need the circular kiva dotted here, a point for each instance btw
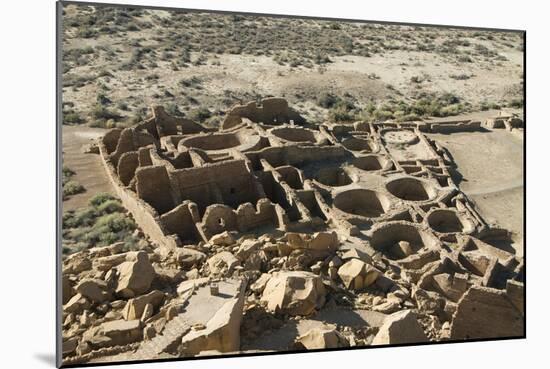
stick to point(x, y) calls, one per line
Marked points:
point(400, 137)
point(371, 163)
point(357, 144)
point(411, 189)
point(333, 177)
point(362, 202)
point(401, 239)
point(295, 134)
point(214, 142)
point(446, 221)
point(219, 142)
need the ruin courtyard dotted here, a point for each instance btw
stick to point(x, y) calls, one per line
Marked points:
point(274, 233)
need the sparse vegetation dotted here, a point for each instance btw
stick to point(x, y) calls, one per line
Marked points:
point(103, 222)
point(181, 63)
point(70, 187)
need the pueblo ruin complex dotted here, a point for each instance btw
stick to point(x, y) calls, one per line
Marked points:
point(273, 234)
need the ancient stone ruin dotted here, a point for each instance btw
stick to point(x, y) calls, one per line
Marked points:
point(344, 234)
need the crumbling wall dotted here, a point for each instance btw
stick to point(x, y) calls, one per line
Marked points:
point(181, 221)
point(153, 186)
point(228, 182)
point(272, 111)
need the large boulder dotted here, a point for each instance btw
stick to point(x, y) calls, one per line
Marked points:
point(321, 338)
point(135, 277)
point(135, 307)
point(294, 292)
point(247, 248)
point(96, 290)
point(356, 274)
point(77, 263)
point(187, 257)
point(399, 328)
point(119, 332)
point(222, 239)
point(76, 304)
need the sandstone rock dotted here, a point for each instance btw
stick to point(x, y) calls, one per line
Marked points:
point(222, 239)
point(187, 257)
point(218, 327)
point(321, 338)
point(246, 248)
point(70, 345)
point(135, 277)
point(83, 348)
point(399, 328)
point(77, 263)
point(387, 307)
point(357, 274)
point(121, 332)
point(356, 254)
point(135, 307)
point(259, 285)
point(67, 289)
point(222, 263)
point(149, 332)
point(401, 249)
point(294, 293)
point(324, 241)
point(254, 261)
point(85, 319)
point(95, 290)
point(147, 312)
point(486, 313)
point(76, 304)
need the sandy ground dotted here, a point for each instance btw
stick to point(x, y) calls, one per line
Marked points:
point(491, 164)
point(88, 169)
point(226, 77)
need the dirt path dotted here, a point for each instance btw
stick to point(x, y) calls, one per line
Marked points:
point(88, 169)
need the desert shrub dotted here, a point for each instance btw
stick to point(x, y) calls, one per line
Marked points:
point(100, 198)
point(200, 114)
point(85, 32)
point(173, 109)
point(102, 99)
point(102, 115)
point(464, 59)
point(72, 188)
point(110, 206)
point(103, 222)
point(515, 103)
point(193, 82)
point(327, 100)
point(460, 77)
point(69, 186)
point(340, 114)
point(71, 117)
